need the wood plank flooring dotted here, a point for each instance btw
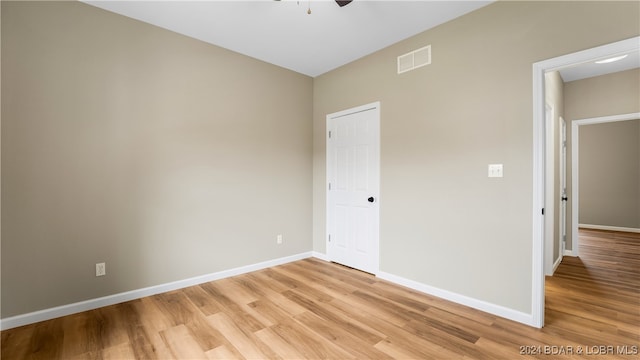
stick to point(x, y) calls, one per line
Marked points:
point(312, 309)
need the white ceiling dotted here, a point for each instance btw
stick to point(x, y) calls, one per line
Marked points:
point(282, 33)
point(591, 69)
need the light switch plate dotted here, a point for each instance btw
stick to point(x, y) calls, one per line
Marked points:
point(495, 170)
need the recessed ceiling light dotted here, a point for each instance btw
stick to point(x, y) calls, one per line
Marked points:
point(610, 60)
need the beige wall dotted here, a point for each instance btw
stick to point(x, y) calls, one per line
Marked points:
point(443, 222)
point(125, 143)
point(605, 95)
point(160, 155)
point(609, 174)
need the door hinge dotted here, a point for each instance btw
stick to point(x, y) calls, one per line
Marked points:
point(329, 237)
point(329, 134)
point(542, 211)
point(329, 186)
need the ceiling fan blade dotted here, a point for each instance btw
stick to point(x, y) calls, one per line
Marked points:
point(343, 3)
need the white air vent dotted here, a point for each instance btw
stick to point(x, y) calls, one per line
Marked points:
point(414, 59)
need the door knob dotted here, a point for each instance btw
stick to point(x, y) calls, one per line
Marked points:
point(371, 199)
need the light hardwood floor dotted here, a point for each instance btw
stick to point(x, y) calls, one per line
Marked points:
point(313, 309)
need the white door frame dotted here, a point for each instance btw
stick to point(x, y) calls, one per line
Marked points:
point(575, 174)
point(376, 192)
point(550, 194)
point(539, 69)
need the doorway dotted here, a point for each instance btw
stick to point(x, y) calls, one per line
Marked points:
point(538, 230)
point(353, 187)
point(575, 178)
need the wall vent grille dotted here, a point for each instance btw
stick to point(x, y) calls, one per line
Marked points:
point(415, 59)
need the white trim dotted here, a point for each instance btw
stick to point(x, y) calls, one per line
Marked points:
point(64, 310)
point(610, 228)
point(549, 196)
point(52, 313)
point(320, 256)
point(575, 173)
point(357, 109)
point(569, 253)
point(539, 69)
point(607, 119)
point(556, 264)
point(460, 299)
point(575, 191)
point(537, 252)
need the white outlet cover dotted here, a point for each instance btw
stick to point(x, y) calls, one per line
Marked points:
point(101, 269)
point(495, 170)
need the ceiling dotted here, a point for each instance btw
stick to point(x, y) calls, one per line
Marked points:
point(591, 69)
point(282, 33)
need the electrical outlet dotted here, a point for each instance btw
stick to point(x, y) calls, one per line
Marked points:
point(279, 239)
point(101, 269)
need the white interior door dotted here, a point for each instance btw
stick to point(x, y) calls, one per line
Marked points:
point(353, 186)
point(563, 185)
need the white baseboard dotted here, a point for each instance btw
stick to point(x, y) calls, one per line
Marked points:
point(320, 256)
point(556, 264)
point(610, 228)
point(487, 307)
point(52, 313)
point(569, 253)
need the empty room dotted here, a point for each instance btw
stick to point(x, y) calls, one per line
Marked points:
point(320, 179)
